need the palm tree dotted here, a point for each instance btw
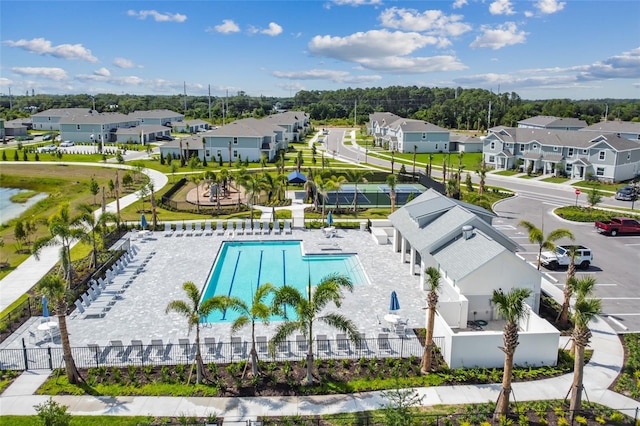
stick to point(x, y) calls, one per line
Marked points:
point(585, 309)
point(512, 308)
point(254, 185)
point(563, 316)
point(355, 177)
point(197, 179)
point(392, 182)
point(250, 314)
point(299, 161)
point(308, 308)
point(240, 176)
point(336, 182)
point(269, 185)
point(194, 312)
point(63, 230)
point(94, 223)
point(536, 236)
point(392, 162)
point(55, 290)
point(432, 303)
point(482, 172)
point(323, 186)
point(430, 164)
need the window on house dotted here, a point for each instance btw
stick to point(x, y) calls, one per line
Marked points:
point(235, 141)
point(600, 171)
point(602, 155)
point(521, 147)
point(492, 159)
point(569, 167)
point(235, 153)
point(445, 146)
point(492, 146)
point(570, 152)
point(555, 148)
point(208, 154)
point(77, 127)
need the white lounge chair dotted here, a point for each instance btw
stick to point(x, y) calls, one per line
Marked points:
point(219, 228)
point(189, 229)
point(168, 230)
point(95, 354)
point(137, 349)
point(185, 345)
point(383, 342)
point(276, 227)
point(257, 229)
point(180, 230)
point(197, 229)
point(261, 344)
point(266, 230)
point(248, 230)
point(287, 227)
point(323, 343)
point(343, 343)
point(237, 346)
point(301, 344)
point(117, 350)
point(207, 228)
point(157, 349)
point(211, 346)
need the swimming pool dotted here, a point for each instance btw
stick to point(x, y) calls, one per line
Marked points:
point(242, 265)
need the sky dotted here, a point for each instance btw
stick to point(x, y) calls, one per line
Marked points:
point(541, 49)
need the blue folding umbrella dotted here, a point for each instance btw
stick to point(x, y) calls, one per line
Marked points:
point(45, 307)
point(394, 305)
point(143, 221)
point(330, 219)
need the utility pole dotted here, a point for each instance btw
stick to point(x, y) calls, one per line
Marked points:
point(355, 115)
point(10, 99)
point(185, 97)
point(489, 116)
point(209, 102)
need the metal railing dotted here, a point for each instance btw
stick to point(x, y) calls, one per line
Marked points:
point(155, 353)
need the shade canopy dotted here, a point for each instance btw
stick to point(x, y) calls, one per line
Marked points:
point(296, 177)
point(143, 221)
point(394, 305)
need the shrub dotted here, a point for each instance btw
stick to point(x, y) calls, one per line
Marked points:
point(53, 414)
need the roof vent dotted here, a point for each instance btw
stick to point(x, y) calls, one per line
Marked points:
point(467, 231)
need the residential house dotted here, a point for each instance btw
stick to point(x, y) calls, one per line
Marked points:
point(190, 126)
point(459, 142)
point(407, 135)
point(15, 128)
point(379, 123)
point(248, 138)
point(96, 127)
point(626, 129)
point(474, 260)
point(50, 119)
point(162, 117)
point(576, 154)
point(2, 133)
point(552, 123)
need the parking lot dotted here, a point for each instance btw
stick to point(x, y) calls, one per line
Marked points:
point(616, 260)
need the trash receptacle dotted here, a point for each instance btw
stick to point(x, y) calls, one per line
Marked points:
point(363, 226)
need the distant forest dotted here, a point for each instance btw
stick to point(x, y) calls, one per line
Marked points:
point(465, 109)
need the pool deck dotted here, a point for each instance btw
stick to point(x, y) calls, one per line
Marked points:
point(140, 312)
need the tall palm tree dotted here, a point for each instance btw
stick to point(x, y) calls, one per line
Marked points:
point(430, 164)
point(355, 177)
point(196, 179)
point(55, 290)
point(563, 316)
point(585, 309)
point(536, 236)
point(512, 307)
point(94, 223)
point(64, 230)
point(299, 161)
point(270, 184)
point(240, 176)
point(254, 185)
point(432, 303)
point(308, 310)
point(482, 172)
point(194, 312)
point(337, 182)
point(323, 186)
point(258, 310)
point(392, 183)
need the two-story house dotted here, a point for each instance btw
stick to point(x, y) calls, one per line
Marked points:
point(161, 117)
point(552, 123)
point(407, 135)
point(627, 129)
point(576, 154)
point(50, 119)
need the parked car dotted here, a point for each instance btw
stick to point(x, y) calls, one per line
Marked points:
point(618, 225)
point(67, 143)
point(48, 148)
point(627, 193)
point(48, 137)
point(561, 257)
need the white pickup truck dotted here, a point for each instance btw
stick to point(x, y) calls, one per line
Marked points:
point(560, 257)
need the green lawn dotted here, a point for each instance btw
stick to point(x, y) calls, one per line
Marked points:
point(555, 179)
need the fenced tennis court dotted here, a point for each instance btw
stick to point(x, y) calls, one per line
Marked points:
point(372, 195)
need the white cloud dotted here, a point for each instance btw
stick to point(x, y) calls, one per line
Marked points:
point(123, 63)
point(157, 16)
point(410, 65)
point(501, 7)
point(331, 75)
point(42, 46)
point(273, 30)
point(50, 73)
point(503, 35)
point(102, 72)
point(626, 65)
point(370, 44)
point(457, 4)
point(430, 21)
point(5, 82)
point(548, 7)
point(227, 27)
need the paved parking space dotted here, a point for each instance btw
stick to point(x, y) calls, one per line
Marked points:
point(615, 265)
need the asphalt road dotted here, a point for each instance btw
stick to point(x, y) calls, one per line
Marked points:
point(616, 263)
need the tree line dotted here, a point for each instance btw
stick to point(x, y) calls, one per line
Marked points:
point(454, 108)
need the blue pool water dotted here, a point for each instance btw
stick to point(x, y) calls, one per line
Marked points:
point(241, 266)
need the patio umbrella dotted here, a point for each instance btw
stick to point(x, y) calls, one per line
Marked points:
point(330, 219)
point(394, 305)
point(45, 307)
point(143, 221)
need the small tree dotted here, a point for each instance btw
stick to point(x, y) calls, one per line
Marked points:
point(594, 196)
point(392, 183)
point(400, 402)
point(468, 183)
point(51, 413)
point(94, 188)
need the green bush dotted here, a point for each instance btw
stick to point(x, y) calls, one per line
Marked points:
point(53, 414)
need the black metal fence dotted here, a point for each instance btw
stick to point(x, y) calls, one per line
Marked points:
point(116, 353)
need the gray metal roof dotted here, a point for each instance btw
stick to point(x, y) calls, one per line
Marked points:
point(287, 117)
point(98, 118)
point(553, 157)
point(383, 118)
point(156, 113)
point(62, 112)
point(614, 127)
point(247, 127)
point(462, 256)
point(409, 125)
point(550, 121)
point(574, 139)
